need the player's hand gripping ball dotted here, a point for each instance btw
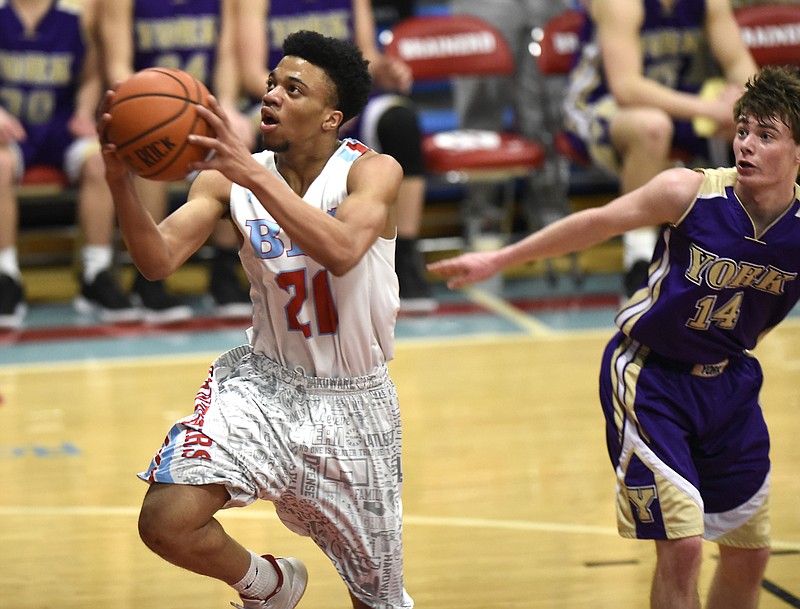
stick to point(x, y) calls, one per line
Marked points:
point(152, 114)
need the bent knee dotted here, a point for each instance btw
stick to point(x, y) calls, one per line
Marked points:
point(93, 168)
point(154, 527)
point(8, 166)
point(173, 513)
point(681, 557)
point(648, 127)
point(743, 565)
point(160, 520)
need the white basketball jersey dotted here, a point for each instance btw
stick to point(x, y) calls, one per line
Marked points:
point(303, 316)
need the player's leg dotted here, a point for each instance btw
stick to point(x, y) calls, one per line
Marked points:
point(415, 292)
point(95, 205)
point(736, 488)
point(158, 304)
point(738, 493)
point(230, 298)
point(676, 574)
point(393, 123)
point(347, 496)
point(358, 604)
point(737, 580)
point(177, 523)
point(100, 291)
point(12, 296)
point(8, 201)
point(643, 140)
point(657, 482)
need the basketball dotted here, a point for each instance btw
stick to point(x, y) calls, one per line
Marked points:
point(152, 114)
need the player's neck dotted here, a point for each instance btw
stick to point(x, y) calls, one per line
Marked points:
point(300, 167)
point(765, 205)
point(668, 5)
point(31, 12)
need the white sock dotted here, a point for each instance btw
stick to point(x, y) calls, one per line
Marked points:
point(259, 581)
point(96, 258)
point(9, 265)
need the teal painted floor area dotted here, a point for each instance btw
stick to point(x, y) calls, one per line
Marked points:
point(54, 332)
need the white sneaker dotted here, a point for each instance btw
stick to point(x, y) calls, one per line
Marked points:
point(292, 581)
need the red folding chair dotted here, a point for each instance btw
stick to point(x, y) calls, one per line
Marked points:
point(557, 43)
point(772, 33)
point(43, 179)
point(439, 48)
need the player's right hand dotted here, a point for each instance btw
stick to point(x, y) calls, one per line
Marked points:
point(466, 269)
point(11, 130)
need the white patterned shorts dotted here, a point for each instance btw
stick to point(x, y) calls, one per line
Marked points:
point(326, 452)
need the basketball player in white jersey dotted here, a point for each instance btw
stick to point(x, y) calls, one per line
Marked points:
point(305, 414)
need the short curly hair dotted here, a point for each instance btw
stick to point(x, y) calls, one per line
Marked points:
point(341, 61)
point(775, 92)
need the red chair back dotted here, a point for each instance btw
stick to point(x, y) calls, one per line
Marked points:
point(442, 46)
point(772, 32)
point(559, 42)
point(44, 175)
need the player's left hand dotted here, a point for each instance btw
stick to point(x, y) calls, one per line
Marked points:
point(390, 74)
point(466, 269)
point(116, 170)
point(724, 105)
point(81, 126)
point(11, 129)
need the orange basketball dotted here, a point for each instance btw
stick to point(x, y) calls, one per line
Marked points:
point(152, 114)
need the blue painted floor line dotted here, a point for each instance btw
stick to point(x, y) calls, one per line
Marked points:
point(54, 332)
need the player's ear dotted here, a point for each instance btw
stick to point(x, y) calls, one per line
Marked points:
point(333, 120)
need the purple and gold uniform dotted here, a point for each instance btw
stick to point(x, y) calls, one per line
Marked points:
point(332, 18)
point(674, 54)
point(39, 78)
point(177, 34)
point(679, 387)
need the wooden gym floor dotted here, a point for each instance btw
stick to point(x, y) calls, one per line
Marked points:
point(508, 491)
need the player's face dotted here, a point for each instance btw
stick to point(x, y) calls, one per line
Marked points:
point(764, 151)
point(296, 104)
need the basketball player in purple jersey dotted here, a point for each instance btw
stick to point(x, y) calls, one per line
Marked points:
point(47, 99)
point(636, 88)
point(678, 384)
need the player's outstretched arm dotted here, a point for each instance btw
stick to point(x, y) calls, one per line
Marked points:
point(662, 200)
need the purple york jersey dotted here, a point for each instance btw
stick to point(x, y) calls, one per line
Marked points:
point(675, 54)
point(672, 40)
point(177, 34)
point(332, 18)
point(679, 388)
point(39, 74)
point(715, 285)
